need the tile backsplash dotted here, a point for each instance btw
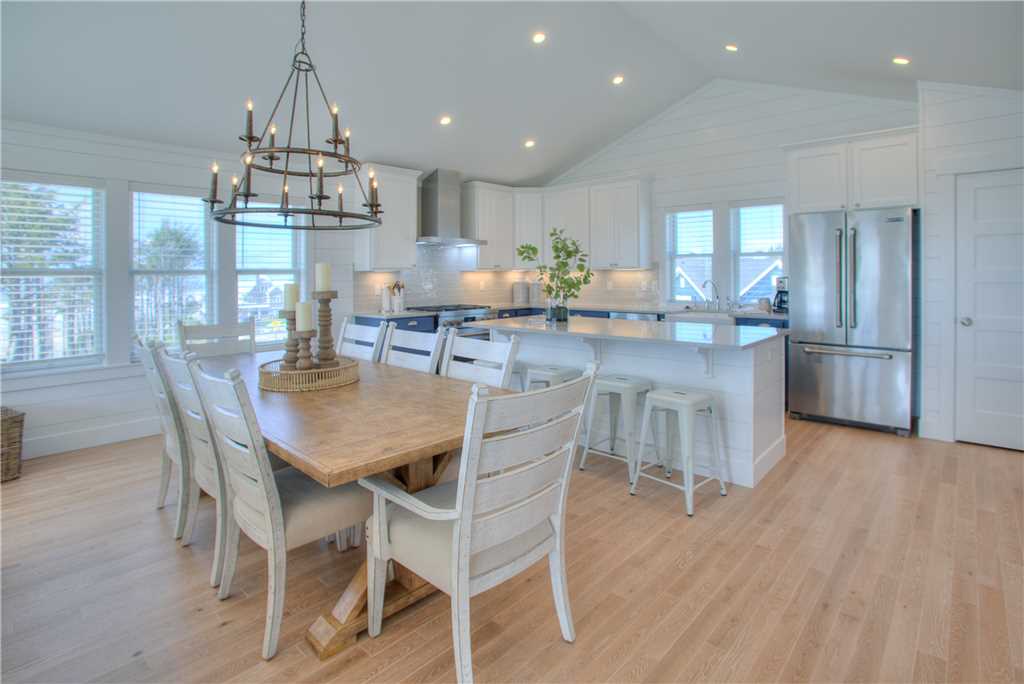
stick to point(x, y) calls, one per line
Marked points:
point(441, 276)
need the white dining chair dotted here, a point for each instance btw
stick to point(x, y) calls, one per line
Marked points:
point(174, 454)
point(278, 510)
point(358, 341)
point(401, 347)
point(203, 455)
point(214, 340)
point(504, 513)
point(475, 360)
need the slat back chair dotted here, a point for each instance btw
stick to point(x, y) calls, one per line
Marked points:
point(214, 340)
point(489, 363)
point(277, 510)
point(400, 344)
point(505, 512)
point(358, 341)
point(174, 452)
point(207, 473)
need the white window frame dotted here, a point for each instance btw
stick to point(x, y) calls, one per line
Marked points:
point(734, 239)
point(668, 273)
point(100, 258)
point(300, 250)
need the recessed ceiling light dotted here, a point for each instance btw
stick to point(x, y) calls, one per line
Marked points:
point(528, 143)
point(731, 47)
point(902, 61)
point(539, 37)
point(445, 120)
point(618, 79)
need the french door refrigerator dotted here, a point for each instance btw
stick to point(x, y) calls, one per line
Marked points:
point(851, 316)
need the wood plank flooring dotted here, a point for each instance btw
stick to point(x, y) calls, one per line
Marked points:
point(861, 557)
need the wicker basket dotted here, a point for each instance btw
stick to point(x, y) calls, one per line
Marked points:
point(276, 380)
point(12, 425)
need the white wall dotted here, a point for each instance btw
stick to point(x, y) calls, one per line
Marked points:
point(722, 146)
point(963, 130)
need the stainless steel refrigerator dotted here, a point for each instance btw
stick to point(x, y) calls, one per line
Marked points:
point(851, 316)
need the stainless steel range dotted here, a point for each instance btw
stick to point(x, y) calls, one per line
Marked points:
point(460, 317)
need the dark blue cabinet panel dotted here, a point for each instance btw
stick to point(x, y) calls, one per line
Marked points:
point(589, 314)
point(773, 322)
point(427, 324)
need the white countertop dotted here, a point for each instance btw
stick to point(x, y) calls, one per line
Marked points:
point(700, 335)
point(389, 316)
point(649, 309)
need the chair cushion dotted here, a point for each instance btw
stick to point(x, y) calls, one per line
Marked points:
point(312, 511)
point(425, 546)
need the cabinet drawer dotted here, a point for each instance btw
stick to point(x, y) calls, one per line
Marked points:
point(589, 314)
point(772, 322)
point(425, 324)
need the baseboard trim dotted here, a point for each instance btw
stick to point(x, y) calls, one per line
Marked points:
point(56, 443)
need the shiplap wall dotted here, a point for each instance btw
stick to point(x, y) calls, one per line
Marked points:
point(963, 130)
point(723, 143)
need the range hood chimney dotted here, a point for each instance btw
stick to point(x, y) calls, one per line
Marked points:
point(441, 211)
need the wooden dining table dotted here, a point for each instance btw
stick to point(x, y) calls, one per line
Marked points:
point(397, 422)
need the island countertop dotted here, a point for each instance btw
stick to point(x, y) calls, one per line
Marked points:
point(700, 335)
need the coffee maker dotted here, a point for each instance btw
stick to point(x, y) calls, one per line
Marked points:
point(781, 301)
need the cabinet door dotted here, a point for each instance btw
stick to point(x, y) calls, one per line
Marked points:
point(615, 226)
point(883, 171)
point(392, 245)
point(493, 220)
point(570, 211)
point(603, 236)
point(529, 215)
point(816, 178)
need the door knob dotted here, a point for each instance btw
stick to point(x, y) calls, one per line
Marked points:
point(966, 321)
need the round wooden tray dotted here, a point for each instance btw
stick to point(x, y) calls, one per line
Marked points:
point(274, 379)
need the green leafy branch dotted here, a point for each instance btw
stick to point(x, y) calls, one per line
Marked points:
point(565, 278)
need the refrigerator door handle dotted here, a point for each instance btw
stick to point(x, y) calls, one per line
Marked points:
point(839, 278)
point(846, 352)
point(851, 277)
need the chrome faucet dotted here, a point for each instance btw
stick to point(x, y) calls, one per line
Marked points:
point(714, 288)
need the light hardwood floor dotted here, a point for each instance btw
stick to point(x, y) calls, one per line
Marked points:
point(861, 557)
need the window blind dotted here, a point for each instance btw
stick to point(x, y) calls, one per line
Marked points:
point(170, 261)
point(266, 259)
point(694, 238)
point(51, 287)
point(760, 233)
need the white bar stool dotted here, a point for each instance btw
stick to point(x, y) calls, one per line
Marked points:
point(548, 376)
point(686, 404)
point(622, 391)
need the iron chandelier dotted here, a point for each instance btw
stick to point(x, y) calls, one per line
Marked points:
point(295, 161)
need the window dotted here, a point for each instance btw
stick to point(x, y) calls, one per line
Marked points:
point(265, 260)
point(170, 264)
point(51, 287)
point(758, 251)
point(693, 240)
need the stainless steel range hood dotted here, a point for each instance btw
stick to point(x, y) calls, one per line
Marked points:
point(441, 211)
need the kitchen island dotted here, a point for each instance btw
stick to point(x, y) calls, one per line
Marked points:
point(741, 366)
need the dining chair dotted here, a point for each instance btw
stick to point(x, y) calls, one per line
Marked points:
point(174, 454)
point(214, 340)
point(278, 510)
point(204, 457)
point(358, 341)
point(401, 347)
point(504, 513)
point(468, 358)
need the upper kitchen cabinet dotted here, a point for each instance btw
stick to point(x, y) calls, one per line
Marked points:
point(489, 214)
point(529, 211)
point(869, 171)
point(392, 245)
point(568, 209)
point(620, 225)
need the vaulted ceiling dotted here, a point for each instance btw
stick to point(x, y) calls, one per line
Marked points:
point(179, 72)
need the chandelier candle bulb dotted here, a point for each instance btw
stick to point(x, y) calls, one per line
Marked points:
point(284, 200)
point(304, 316)
point(320, 176)
point(214, 172)
point(334, 121)
point(348, 150)
point(323, 276)
point(248, 119)
point(341, 199)
point(291, 296)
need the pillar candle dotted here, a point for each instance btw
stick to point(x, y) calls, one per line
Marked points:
point(214, 170)
point(291, 296)
point(248, 119)
point(323, 276)
point(304, 316)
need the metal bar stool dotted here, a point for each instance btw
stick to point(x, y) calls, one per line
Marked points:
point(547, 375)
point(686, 404)
point(622, 391)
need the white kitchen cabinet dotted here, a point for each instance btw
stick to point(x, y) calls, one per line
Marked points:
point(568, 209)
point(529, 211)
point(392, 245)
point(619, 225)
point(866, 171)
point(489, 214)
point(883, 171)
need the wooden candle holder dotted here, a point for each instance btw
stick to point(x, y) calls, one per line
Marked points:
point(325, 357)
point(305, 359)
point(291, 344)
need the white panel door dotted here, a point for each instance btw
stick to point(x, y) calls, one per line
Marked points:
point(883, 172)
point(529, 211)
point(603, 241)
point(816, 178)
point(569, 210)
point(990, 299)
